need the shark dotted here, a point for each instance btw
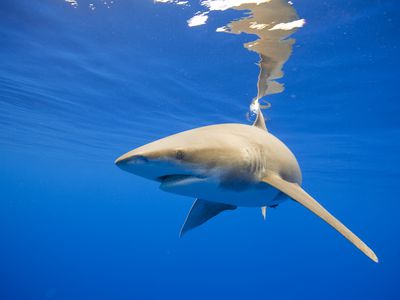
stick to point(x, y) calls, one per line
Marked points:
point(226, 166)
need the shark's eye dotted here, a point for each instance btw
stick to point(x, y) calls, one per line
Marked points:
point(180, 154)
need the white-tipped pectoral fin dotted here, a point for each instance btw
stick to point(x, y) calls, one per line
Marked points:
point(295, 192)
point(201, 212)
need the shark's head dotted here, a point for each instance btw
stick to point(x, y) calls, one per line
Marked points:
point(195, 154)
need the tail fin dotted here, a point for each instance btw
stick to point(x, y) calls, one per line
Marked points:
point(295, 192)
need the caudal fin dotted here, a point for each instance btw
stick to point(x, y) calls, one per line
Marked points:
point(295, 192)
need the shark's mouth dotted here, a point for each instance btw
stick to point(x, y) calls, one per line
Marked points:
point(172, 180)
point(173, 177)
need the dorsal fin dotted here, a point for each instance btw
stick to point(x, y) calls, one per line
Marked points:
point(260, 121)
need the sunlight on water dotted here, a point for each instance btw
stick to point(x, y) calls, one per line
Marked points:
point(93, 81)
point(93, 5)
point(272, 21)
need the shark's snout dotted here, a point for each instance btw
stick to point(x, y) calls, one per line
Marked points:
point(156, 163)
point(130, 159)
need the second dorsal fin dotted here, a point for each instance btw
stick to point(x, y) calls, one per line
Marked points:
point(260, 121)
point(264, 212)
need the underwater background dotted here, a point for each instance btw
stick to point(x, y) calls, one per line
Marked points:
point(80, 86)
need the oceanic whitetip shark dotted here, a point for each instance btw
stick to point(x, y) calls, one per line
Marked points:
point(227, 166)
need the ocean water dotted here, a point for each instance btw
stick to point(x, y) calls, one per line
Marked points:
point(82, 84)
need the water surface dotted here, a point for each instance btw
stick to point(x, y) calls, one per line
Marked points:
point(80, 86)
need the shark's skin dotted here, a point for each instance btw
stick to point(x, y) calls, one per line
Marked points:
point(228, 166)
point(221, 163)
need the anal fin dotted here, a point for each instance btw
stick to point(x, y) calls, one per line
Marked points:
point(201, 212)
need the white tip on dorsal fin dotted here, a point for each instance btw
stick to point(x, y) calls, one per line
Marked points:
point(295, 192)
point(264, 212)
point(201, 212)
point(260, 121)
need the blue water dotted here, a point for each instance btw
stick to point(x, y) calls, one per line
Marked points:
point(79, 87)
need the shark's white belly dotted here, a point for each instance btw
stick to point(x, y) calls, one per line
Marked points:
point(251, 195)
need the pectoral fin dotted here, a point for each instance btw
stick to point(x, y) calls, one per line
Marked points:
point(295, 192)
point(201, 212)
